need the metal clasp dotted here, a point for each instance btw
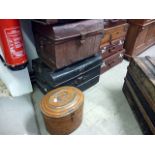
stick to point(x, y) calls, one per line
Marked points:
point(83, 38)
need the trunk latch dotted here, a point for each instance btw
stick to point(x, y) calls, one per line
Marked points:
point(83, 38)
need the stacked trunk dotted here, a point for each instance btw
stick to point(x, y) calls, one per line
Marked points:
point(111, 47)
point(139, 88)
point(67, 49)
point(82, 75)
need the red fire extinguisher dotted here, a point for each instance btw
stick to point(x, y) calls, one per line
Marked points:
point(11, 42)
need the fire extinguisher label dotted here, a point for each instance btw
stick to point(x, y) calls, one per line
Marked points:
point(15, 42)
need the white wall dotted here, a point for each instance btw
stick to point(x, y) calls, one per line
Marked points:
point(28, 40)
point(18, 82)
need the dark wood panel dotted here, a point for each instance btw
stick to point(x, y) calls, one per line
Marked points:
point(141, 85)
point(139, 37)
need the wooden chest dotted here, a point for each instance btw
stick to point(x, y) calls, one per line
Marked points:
point(111, 47)
point(62, 110)
point(112, 61)
point(61, 45)
point(140, 81)
point(140, 36)
point(82, 75)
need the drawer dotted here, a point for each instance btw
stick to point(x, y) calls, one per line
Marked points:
point(112, 61)
point(114, 33)
point(110, 49)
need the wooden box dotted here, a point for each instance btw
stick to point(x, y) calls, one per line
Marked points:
point(61, 45)
point(82, 75)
